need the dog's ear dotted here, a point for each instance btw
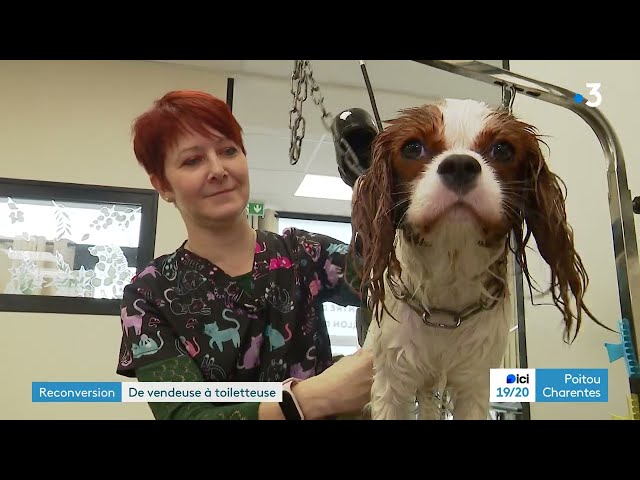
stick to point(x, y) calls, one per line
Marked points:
point(546, 219)
point(373, 224)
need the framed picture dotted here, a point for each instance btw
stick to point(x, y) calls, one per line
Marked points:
point(70, 248)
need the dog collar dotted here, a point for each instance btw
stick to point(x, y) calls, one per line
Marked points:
point(427, 315)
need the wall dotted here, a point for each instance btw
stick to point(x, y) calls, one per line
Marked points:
point(576, 155)
point(69, 121)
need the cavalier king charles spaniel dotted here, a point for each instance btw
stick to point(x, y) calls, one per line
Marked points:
point(432, 219)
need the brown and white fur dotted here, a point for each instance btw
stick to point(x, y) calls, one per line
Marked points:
point(449, 183)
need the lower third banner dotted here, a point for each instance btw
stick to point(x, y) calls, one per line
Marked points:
point(156, 392)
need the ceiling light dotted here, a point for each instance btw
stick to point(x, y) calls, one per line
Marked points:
point(324, 186)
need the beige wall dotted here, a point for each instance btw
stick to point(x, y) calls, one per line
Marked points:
point(576, 155)
point(69, 121)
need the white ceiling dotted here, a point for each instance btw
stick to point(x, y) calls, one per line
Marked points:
point(262, 101)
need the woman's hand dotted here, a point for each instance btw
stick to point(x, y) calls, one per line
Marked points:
point(343, 388)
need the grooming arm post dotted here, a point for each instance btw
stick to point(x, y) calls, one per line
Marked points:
point(620, 204)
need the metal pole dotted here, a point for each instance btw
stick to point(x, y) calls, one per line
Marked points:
point(363, 67)
point(230, 85)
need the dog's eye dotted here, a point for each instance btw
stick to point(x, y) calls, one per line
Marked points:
point(502, 151)
point(413, 149)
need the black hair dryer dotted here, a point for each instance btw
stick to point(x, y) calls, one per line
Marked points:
point(353, 133)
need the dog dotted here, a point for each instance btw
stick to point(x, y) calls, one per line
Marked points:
point(449, 184)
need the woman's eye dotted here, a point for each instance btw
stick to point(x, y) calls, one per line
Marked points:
point(502, 152)
point(230, 151)
point(413, 150)
point(191, 161)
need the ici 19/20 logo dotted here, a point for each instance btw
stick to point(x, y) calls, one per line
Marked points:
point(511, 378)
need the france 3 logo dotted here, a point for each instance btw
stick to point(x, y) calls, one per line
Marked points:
point(594, 94)
point(512, 385)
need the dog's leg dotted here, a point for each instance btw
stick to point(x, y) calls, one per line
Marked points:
point(392, 397)
point(395, 381)
point(472, 403)
point(427, 405)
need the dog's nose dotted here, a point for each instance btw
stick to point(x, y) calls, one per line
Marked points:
point(458, 172)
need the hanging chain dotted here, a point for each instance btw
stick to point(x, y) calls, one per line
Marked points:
point(301, 80)
point(299, 96)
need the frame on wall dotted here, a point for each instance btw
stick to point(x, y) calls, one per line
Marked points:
point(127, 212)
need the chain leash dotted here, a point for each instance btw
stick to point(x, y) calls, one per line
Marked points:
point(301, 80)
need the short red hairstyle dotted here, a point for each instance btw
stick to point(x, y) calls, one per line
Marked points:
point(177, 113)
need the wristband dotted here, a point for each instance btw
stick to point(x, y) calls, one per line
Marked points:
point(289, 404)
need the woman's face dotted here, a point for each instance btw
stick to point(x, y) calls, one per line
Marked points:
point(208, 179)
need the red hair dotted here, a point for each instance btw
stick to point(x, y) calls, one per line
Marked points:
point(177, 113)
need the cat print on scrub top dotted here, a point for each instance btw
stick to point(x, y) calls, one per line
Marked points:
point(182, 304)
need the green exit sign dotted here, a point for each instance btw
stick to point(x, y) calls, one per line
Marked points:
point(256, 208)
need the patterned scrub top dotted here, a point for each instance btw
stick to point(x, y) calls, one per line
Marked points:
point(185, 319)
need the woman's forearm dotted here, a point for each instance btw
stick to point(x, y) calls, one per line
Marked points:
point(312, 399)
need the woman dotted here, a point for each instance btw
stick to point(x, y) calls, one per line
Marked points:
point(232, 303)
